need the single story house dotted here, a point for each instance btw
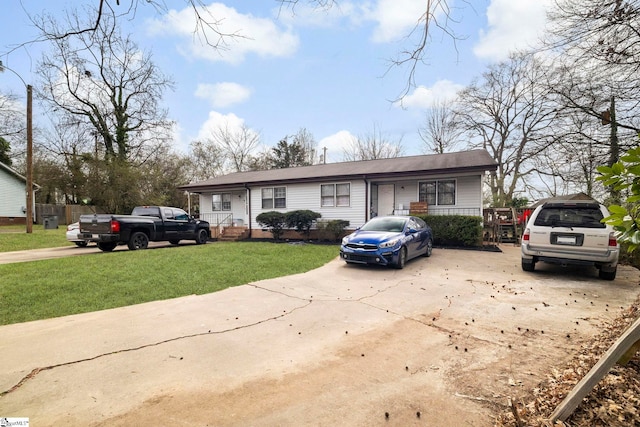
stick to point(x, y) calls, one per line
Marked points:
point(449, 183)
point(13, 196)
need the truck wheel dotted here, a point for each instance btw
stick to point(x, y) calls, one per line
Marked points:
point(138, 240)
point(107, 246)
point(202, 237)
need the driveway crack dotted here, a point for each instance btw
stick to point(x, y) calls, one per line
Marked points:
point(34, 372)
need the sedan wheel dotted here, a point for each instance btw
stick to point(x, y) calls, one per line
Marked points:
point(138, 240)
point(402, 258)
point(429, 250)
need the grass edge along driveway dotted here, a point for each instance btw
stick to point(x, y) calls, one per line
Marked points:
point(59, 287)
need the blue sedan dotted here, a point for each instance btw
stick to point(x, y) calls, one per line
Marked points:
point(388, 240)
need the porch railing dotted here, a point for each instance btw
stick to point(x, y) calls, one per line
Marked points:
point(216, 219)
point(434, 210)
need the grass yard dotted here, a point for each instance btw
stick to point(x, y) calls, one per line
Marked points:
point(52, 288)
point(15, 238)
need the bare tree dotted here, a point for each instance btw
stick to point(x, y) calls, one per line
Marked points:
point(236, 145)
point(507, 113)
point(12, 126)
point(104, 81)
point(440, 133)
point(304, 138)
point(107, 81)
point(374, 145)
point(206, 161)
point(598, 58)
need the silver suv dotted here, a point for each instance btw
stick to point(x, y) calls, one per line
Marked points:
point(571, 232)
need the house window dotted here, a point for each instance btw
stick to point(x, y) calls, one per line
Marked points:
point(438, 193)
point(221, 202)
point(335, 195)
point(274, 197)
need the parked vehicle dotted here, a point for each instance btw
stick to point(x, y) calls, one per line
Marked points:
point(72, 235)
point(388, 240)
point(145, 224)
point(571, 232)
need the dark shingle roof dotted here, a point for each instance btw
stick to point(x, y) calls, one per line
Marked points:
point(463, 161)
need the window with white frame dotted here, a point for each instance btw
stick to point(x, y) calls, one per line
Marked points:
point(438, 193)
point(221, 202)
point(335, 195)
point(274, 197)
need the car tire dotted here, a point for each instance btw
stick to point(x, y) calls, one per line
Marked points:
point(81, 244)
point(402, 258)
point(107, 246)
point(528, 265)
point(138, 240)
point(429, 250)
point(607, 275)
point(202, 237)
point(174, 242)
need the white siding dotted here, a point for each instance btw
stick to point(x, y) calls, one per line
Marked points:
point(238, 207)
point(468, 194)
point(13, 195)
point(307, 196)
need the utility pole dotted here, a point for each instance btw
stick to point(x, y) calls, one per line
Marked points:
point(29, 161)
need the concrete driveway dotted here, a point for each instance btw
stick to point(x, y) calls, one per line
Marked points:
point(444, 342)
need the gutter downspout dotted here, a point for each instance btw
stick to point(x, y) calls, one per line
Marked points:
point(367, 208)
point(248, 195)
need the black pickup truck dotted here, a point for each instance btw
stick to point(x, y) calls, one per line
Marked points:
point(145, 224)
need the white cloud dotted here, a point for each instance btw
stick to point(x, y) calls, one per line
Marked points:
point(425, 97)
point(335, 145)
point(216, 121)
point(513, 25)
point(223, 94)
point(251, 35)
point(396, 18)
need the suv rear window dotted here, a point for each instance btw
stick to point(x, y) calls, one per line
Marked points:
point(570, 216)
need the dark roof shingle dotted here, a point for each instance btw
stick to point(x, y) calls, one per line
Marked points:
point(473, 160)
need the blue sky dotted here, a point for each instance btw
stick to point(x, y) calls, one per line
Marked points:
point(326, 71)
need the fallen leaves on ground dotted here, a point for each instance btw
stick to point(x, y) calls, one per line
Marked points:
point(614, 401)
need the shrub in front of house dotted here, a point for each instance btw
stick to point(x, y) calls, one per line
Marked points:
point(455, 230)
point(331, 230)
point(302, 221)
point(273, 220)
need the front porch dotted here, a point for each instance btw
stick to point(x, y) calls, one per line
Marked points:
point(224, 226)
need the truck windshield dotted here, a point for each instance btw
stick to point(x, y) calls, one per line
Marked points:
point(146, 211)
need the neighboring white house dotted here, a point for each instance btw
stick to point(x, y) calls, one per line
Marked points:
point(13, 196)
point(449, 183)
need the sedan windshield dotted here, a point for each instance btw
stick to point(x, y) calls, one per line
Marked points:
point(394, 225)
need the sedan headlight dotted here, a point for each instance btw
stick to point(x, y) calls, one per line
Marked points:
point(390, 243)
point(345, 240)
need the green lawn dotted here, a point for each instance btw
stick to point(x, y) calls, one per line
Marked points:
point(51, 288)
point(15, 238)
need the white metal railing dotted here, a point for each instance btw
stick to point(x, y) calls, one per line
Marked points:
point(217, 219)
point(444, 211)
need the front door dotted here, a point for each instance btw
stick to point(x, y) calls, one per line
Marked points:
point(386, 199)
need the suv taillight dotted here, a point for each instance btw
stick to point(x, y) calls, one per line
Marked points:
point(525, 236)
point(115, 226)
point(612, 239)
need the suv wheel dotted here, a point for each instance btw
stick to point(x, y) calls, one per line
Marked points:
point(607, 275)
point(528, 265)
